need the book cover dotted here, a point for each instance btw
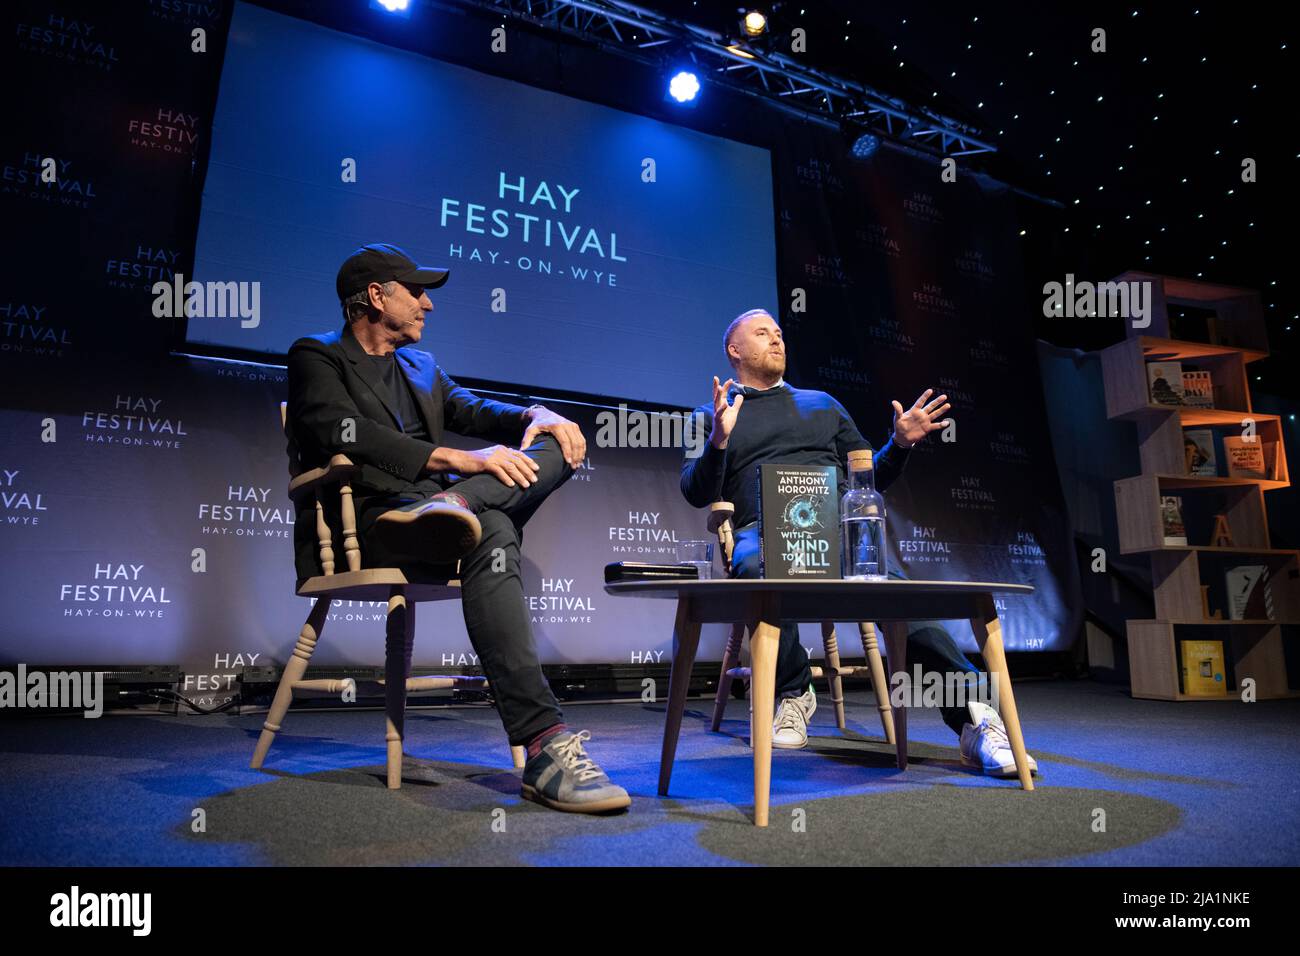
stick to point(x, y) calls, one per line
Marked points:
point(1248, 594)
point(1245, 459)
point(1203, 672)
point(1198, 444)
point(799, 521)
point(1171, 516)
point(1166, 382)
point(1273, 460)
point(1198, 389)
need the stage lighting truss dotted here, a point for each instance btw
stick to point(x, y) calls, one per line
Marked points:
point(753, 69)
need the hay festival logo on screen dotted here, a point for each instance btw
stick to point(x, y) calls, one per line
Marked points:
point(534, 226)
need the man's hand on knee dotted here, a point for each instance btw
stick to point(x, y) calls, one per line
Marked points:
point(512, 467)
point(543, 421)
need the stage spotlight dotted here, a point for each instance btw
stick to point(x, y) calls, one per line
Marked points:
point(865, 146)
point(755, 23)
point(391, 6)
point(684, 86)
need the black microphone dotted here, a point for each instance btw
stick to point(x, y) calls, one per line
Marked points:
point(398, 318)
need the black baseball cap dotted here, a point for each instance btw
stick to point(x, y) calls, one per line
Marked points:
point(383, 262)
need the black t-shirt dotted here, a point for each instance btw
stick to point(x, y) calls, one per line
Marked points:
point(399, 392)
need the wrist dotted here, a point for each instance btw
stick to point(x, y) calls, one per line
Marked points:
point(532, 412)
point(902, 442)
point(445, 459)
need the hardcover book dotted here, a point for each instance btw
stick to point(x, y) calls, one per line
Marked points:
point(1198, 389)
point(1273, 460)
point(1245, 458)
point(1171, 516)
point(1249, 598)
point(1202, 668)
point(1166, 382)
point(798, 521)
point(1198, 444)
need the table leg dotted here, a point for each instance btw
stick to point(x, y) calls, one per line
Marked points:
point(686, 638)
point(988, 633)
point(896, 651)
point(764, 641)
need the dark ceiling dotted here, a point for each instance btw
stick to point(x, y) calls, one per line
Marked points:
point(1142, 144)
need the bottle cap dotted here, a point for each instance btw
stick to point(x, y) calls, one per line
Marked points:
point(860, 459)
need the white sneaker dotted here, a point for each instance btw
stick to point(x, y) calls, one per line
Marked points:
point(790, 725)
point(984, 743)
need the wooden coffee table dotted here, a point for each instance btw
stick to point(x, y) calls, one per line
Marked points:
point(764, 605)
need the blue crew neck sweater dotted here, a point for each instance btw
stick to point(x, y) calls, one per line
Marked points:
point(781, 425)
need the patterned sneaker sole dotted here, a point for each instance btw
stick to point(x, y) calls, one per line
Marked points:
point(435, 535)
point(594, 806)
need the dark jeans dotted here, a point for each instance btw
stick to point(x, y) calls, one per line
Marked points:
point(496, 615)
point(928, 642)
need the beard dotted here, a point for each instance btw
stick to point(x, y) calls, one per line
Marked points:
point(772, 364)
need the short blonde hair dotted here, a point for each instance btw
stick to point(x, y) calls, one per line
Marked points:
point(735, 324)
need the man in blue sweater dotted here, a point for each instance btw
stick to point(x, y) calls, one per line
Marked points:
point(794, 426)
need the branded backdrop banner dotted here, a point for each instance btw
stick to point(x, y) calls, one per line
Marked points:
point(146, 520)
point(143, 514)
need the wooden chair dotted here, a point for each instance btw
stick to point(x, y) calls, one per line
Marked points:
point(402, 587)
point(719, 522)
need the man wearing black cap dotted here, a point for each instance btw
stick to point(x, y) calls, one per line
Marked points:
point(363, 392)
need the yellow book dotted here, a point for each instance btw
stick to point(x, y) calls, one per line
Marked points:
point(1203, 668)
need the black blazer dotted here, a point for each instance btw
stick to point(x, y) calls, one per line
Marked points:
point(332, 379)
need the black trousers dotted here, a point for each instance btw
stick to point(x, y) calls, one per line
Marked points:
point(492, 592)
point(928, 642)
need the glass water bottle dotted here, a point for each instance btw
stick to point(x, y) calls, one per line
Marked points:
point(862, 523)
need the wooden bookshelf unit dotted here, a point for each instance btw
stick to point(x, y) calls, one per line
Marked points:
point(1190, 580)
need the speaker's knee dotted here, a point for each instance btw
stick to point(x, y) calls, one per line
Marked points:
point(549, 456)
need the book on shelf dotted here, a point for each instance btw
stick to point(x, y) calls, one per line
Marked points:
point(798, 521)
point(1166, 382)
point(1171, 518)
point(1198, 389)
point(1198, 447)
point(1249, 596)
point(1245, 456)
point(1202, 670)
point(1273, 460)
